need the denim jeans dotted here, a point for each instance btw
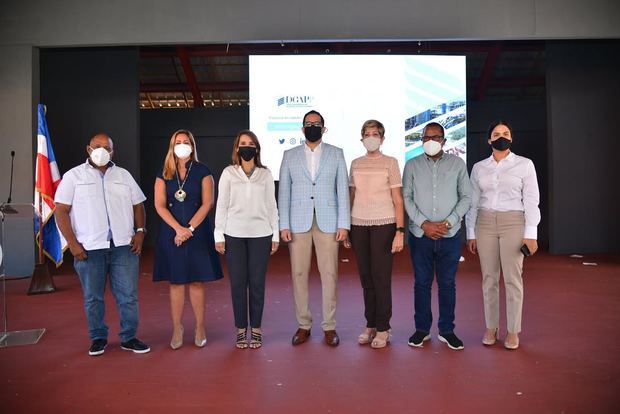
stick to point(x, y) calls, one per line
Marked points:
point(429, 257)
point(122, 267)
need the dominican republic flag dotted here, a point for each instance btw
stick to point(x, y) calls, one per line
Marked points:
point(47, 180)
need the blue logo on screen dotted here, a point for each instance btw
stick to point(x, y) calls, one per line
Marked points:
point(298, 101)
point(281, 140)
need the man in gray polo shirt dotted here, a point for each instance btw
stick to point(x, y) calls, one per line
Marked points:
point(100, 212)
point(437, 194)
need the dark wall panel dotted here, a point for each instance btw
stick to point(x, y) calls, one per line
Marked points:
point(582, 90)
point(87, 91)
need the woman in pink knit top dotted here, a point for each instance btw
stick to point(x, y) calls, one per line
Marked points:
point(377, 230)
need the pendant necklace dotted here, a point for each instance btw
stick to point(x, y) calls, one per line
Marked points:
point(180, 194)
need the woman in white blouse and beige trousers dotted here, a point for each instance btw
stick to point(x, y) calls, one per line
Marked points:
point(504, 216)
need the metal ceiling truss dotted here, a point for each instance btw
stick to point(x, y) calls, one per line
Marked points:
point(216, 75)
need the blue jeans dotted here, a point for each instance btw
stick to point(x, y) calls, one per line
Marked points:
point(122, 267)
point(429, 257)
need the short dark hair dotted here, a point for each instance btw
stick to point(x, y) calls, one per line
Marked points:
point(494, 124)
point(435, 125)
point(316, 113)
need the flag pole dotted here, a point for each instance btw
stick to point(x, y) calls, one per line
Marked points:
point(41, 281)
point(41, 256)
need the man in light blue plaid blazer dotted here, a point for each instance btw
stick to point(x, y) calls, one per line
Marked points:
point(313, 203)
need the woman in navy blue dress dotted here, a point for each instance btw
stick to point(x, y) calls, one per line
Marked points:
point(185, 251)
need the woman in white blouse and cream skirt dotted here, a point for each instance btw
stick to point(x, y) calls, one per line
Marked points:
point(504, 216)
point(246, 232)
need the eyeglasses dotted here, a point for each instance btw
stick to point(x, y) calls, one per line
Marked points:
point(311, 124)
point(437, 138)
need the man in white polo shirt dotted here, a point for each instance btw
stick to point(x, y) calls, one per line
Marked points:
point(100, 212)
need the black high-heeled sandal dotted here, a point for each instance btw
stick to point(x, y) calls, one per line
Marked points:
point(256, 340)
point(241, 342)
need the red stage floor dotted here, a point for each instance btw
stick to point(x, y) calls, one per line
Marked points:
point(569, 360)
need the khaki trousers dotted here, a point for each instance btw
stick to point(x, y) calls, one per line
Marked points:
point(326, 248)
point(499, 237)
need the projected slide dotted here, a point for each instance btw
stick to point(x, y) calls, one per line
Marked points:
point(403, 92)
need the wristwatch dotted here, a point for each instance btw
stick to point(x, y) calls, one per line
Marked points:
point(447, 223)
point(191, 228)
point(141, 230)
point(401, 229)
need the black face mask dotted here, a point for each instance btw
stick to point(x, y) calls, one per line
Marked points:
point(313, 133)
point(501, 144)
point(247, 153)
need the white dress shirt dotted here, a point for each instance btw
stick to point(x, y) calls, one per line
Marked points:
point(100, 204)
point(507, 185)
point(246, 207)
point(313, 157)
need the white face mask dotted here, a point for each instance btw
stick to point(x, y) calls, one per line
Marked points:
point(431, 148)
point(371, 143)
point(182, 150)
point(99, 156)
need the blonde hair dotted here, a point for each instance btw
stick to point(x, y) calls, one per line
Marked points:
point(373, 123)
point(170, 162)
point(235, 151)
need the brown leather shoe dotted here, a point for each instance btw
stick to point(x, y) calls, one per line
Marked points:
point(301, 336)
point(331, 338)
